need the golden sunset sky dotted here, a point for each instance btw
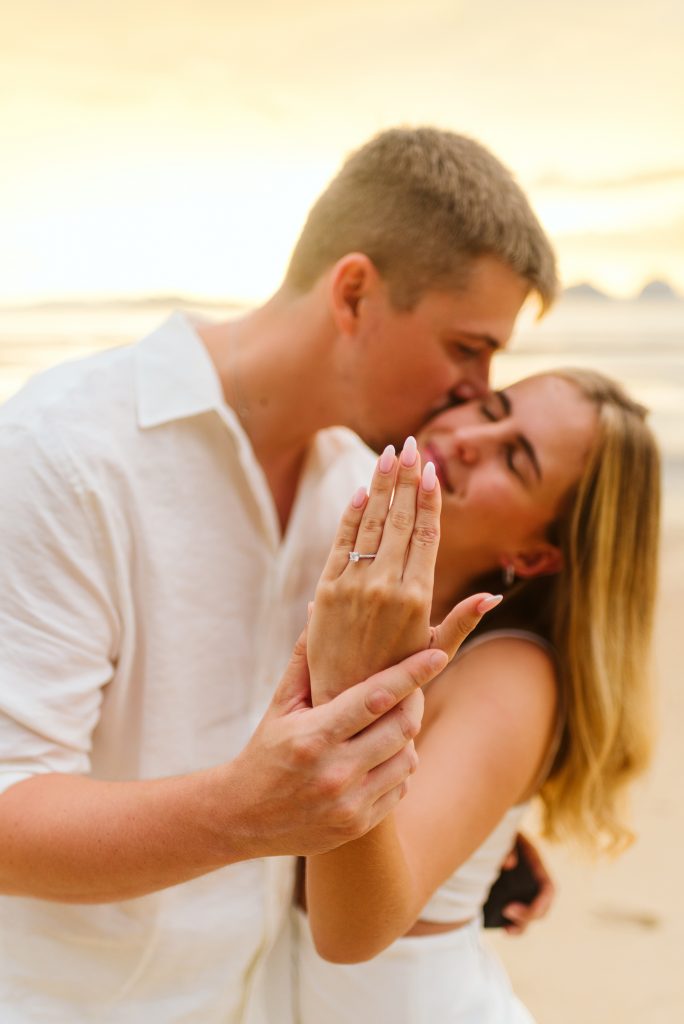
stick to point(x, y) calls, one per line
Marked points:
point(164, 147)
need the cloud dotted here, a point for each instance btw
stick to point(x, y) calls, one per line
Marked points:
point(660, 176)
point(658, 235)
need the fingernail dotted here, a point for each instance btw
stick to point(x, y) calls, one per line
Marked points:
point(487, 603)
point(359, 497)
point(386, 460)
point(429, 477)
point(438, 660)
point(409, 452)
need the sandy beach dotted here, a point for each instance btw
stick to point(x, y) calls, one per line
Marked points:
point(610, 951)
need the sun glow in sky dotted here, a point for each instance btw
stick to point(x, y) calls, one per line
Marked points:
point(176, 147)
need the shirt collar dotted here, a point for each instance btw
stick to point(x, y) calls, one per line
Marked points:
point(174, 375)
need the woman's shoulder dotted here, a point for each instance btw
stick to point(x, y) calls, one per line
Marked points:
point(513, 669)
point(497, 704)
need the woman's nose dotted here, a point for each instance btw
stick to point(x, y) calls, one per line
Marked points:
point(468, 445)
point(473, 443)
point(466, 451)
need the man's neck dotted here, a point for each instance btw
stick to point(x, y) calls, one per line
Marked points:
point(275, 369)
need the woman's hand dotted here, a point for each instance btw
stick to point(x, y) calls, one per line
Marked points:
point(372, 613)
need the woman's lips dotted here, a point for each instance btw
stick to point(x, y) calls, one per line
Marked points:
point(432, 455)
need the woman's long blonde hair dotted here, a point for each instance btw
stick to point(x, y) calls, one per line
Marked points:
point(598, 613)
point(602, 620)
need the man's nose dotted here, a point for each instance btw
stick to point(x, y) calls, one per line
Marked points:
point(474, 382)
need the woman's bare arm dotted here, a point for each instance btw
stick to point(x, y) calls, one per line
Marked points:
point(490, 718)
point(367, 893)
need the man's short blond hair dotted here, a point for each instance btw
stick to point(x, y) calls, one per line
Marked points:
point(422, 204)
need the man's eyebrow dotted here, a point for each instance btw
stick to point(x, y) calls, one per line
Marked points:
point(487, 338)
point(522, 440)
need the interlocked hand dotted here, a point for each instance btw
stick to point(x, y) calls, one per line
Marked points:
point(369, 614)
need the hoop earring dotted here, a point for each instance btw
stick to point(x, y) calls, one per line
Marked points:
point(509, 574)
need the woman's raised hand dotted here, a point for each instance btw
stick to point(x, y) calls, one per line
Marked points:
point(370, 613)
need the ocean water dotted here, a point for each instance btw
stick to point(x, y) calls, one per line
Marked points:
point(639, 343)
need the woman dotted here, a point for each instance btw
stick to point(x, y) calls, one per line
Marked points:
point(554, 484)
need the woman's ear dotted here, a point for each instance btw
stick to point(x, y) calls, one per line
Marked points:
point(352, 278)
point(544, 559)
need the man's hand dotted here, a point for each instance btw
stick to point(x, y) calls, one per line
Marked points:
point(521, 914)
point(312, 778)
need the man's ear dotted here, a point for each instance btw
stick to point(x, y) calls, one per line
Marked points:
point(544, 559)
point(351, 279)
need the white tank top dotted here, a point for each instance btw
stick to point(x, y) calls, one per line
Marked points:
point(462, 895)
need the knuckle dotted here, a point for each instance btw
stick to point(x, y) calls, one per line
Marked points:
point(415, 597)
point(325, 592)
point(466, 626)
point(333, 783)
point(409, 760)
point(373, 525)
point(378, 590)
point(305, 749)
point(350, 817)
point(416, 703)
point(426, 535)
point(380, 701)
point(428, 501)
point(413, 714)
point(401, 520)
point(345, 535)
point(407, 723)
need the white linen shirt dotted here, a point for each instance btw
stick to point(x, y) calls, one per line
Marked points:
point(148, 605)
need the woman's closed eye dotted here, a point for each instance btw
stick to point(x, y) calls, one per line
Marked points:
point(510, 452)
point(489, 413)
point(519, 456)
point(463, 350)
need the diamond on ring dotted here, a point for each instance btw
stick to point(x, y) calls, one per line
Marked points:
point(355, 556)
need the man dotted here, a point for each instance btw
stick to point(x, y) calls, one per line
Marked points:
point(166, 510)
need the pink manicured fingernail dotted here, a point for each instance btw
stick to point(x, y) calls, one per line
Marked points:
point(386, 460)
point(429, 477)
point(359, 497)
point(487, 603)
point(409, 452)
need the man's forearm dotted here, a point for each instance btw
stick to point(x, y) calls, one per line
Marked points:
point(308, 780)
point(77, 840)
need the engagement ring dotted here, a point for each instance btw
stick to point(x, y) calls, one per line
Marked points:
point(354, 556)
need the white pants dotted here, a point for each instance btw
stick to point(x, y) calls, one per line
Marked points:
point(450, 978)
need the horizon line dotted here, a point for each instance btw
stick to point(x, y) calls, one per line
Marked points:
point(214, 301)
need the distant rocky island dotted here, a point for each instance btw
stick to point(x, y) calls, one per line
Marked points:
point(654, 291)
point(659, 291)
